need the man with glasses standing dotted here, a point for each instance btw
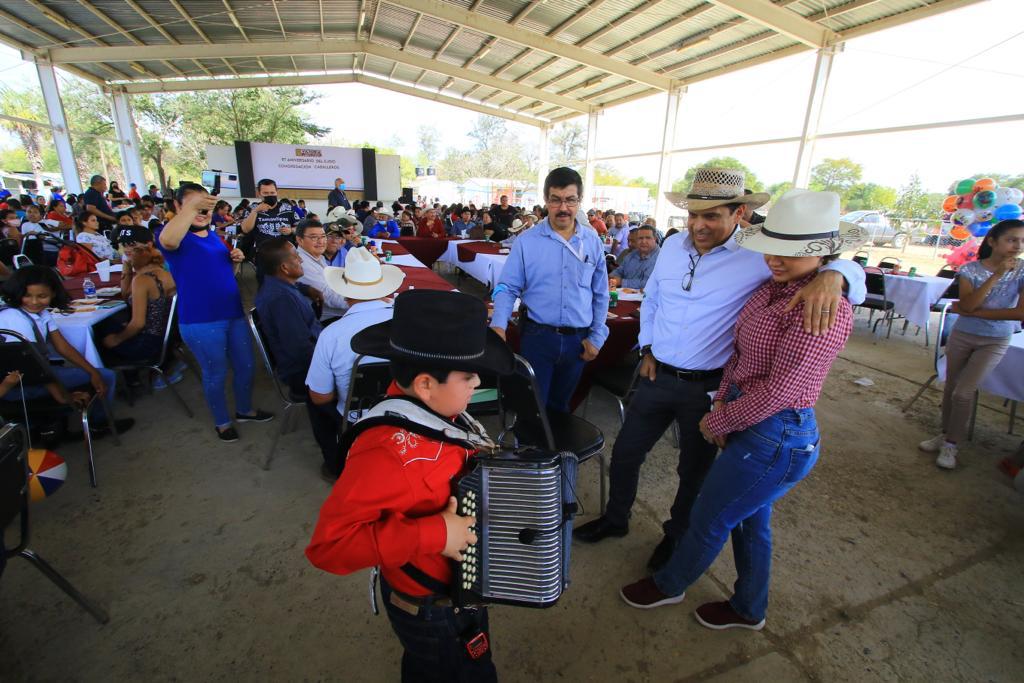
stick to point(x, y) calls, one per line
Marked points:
point(699, 284)
point(557, 269)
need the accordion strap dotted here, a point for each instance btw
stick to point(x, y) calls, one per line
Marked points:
point(426, 580)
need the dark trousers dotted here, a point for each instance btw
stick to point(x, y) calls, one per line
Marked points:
point(324, 420)
point(432, 643)
point(652, 409)
point(556, 363)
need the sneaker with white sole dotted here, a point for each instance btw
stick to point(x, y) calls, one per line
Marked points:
point(934, 444)
point(947, 457)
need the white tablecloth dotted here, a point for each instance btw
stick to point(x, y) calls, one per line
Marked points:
point(77, 329)
point(912, 297)
point(1007, 380)
point(485, 268)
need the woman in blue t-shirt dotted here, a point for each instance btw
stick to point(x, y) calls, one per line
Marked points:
point(991, 308)
point(210, 314)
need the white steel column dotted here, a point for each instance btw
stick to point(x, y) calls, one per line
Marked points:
point(588, 170)
point(812, 117)
point(127, 141)
point(668, 141)
point(543, 161)
point(59, 128)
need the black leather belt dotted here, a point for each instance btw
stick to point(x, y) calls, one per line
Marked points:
point(559, 330)
point(691, 375)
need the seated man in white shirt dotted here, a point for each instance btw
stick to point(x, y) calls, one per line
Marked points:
point(366, 286)
point(312, 242)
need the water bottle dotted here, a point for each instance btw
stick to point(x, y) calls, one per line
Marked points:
point(88, 288)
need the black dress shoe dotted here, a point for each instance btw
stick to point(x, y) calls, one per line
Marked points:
point(101, 430)
point(661, 554)
point(598, 530)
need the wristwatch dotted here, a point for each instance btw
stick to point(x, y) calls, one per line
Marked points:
point(644, 350)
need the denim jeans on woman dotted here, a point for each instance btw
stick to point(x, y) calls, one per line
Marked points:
point(756, 468)
point(73, 378)
point(215, 345)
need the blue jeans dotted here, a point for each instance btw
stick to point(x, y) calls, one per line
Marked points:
point(72, 377)
point(556, 362)
point(756, 468)
point(215, 344)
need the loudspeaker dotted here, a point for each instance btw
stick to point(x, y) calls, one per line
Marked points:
point(407, 196)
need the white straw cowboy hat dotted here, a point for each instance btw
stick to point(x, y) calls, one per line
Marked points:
point(517, 225)
point(363, 277)
point(713, 187)
point(803, 223)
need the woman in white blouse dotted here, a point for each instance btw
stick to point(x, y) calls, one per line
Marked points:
point(89, 234)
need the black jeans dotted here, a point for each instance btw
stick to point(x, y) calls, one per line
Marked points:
point(432, 643)
point(653, 408)
point(324, 420)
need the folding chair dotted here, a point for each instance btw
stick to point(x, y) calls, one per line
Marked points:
point(940, 367)
point(22, 356)
point(157, 364)
point(289, 399)
point(890, 262)
point(368, 385)
point(14, 505)
point(529, 423)
point(876, 300)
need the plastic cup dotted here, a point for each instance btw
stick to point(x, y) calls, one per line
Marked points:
point(103, 269)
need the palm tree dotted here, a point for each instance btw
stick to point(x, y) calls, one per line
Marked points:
point(23, 108)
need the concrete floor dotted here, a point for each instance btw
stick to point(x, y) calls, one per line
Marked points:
point(885, 568)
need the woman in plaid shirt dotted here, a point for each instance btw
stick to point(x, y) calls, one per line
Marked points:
point(763, 415)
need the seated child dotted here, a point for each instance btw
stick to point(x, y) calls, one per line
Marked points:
point(392, 506)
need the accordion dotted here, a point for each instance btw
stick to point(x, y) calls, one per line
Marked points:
point(524, 502)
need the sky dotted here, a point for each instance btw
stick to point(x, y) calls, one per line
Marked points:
point(964, 64)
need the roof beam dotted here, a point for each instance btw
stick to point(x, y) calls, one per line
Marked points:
point(657, 30)
point(506, 31)
point(61, 20)
point(102, 16)
point(412, 31)
point(28, 50)
point(284, 34)
point(167, 36)
point(612, 25)
point(245, 36)
point(195, 27)
point(565, 25)
point(231, 82)
point(781, 20)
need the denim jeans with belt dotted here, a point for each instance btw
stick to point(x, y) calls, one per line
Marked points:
point(756, 468)
point(556, 362)
point(433, 649)
point(215, 345)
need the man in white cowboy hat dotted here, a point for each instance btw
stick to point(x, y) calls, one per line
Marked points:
point(386, 227)
point(366, 285)
point(701, 281)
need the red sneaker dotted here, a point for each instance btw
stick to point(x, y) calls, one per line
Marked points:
point(721, 615)
point(644, 594)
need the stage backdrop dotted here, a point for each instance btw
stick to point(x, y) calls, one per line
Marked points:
point(307, 166)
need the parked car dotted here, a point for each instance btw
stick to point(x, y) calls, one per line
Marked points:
point(880, 229)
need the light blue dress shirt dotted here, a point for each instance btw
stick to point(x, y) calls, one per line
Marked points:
point(333, 358)
point(694, 329)
point(635, 269)
point(562, 283)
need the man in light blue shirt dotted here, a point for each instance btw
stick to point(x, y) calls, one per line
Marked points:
point(558, 270)
point(638, 264)
point(701, 281)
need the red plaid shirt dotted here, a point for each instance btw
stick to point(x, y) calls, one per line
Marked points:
point(775, 364)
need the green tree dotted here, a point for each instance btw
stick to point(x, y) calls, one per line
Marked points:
point(26, 105)
point(776, 190)
point(836, 175)
point(751, 180)
point(867, 196)
point(568, 144)
point(913, 201)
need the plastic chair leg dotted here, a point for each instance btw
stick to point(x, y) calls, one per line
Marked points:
point(88, 447)
point(53, 575)
point(920, 391)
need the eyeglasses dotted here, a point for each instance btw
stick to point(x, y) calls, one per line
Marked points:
point(316, 238)
point(570, 202)
point(688, 278)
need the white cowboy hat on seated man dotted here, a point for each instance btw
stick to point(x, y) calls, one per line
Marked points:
point(363, 277)
point(803, 223)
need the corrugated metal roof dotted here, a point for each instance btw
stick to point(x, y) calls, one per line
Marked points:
point(682, 40)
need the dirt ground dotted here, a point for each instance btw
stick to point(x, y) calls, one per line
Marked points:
point(885, 568)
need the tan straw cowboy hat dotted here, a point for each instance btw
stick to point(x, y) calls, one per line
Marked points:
point(713, 187)
point(363, 276)
point(803, 223)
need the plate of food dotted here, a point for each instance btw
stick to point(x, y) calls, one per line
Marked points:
point(108, 291)
point(78, 303)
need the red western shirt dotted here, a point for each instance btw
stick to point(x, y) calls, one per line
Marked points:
point(775, 364)
point(385, 508)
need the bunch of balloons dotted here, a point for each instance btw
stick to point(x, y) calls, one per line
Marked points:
point(978, 204)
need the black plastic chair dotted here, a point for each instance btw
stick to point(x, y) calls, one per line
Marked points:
point(33, 365)
point(9, 248)
point(948, 272)
point(890, 262)
point(530, 424)
point(156, 365)
point(14, 505)
point(876, 300)
point(368, 385)
point(289, 399)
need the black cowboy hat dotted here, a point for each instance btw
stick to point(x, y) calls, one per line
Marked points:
point(444, 330)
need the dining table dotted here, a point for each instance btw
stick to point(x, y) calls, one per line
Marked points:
point(913, 297)
point(427, 250)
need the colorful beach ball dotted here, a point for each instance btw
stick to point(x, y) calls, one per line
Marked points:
point(46, 473)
